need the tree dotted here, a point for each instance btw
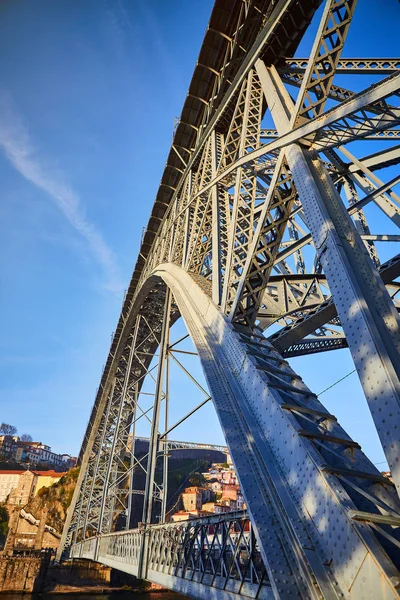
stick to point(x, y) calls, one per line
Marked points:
point(3, 524)
point(197, 479)
point(6, 429)
point(25, 437)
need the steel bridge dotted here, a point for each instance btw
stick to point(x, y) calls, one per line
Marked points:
point(261, 241)
point(179, 445)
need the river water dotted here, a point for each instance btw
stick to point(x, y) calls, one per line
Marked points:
point(110, 596)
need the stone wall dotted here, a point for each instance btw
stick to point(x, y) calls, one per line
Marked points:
point(22, 574)
point(76, 574)
point(38, 574)
point(29, 535)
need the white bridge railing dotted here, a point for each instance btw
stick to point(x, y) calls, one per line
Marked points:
point(213, 553)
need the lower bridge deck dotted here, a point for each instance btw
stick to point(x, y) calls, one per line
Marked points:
point(210, 557)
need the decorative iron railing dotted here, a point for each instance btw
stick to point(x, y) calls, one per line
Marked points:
point(220, 551)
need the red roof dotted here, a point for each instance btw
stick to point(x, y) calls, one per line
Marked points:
point(49, 473)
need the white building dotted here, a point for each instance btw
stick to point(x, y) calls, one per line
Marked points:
point(8, 481)
point(41, 453)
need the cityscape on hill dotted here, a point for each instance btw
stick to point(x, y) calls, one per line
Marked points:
point(23, 450)
point(215, 491)
point(36, 487)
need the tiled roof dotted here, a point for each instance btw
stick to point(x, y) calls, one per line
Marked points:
point(50, 473)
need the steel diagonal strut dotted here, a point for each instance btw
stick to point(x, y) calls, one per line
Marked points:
point(324, 312)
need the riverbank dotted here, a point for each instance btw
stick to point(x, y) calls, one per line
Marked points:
point(39, 574)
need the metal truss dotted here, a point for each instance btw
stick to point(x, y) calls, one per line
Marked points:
point(291, 413)
point(312, 312)
point(313, 346)
point(177, 445)
point(263, 239)
point(385, 134)
point(348, 66)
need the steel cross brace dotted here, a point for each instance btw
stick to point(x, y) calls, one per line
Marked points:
point(367, 66)
point(323, 313)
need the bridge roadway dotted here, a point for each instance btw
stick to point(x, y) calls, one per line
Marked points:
point(211, 557)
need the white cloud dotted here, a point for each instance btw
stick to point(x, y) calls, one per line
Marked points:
point(21, 153)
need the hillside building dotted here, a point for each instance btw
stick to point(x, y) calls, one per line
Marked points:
point(21, 486)
point(192, 499)
point(35, 453)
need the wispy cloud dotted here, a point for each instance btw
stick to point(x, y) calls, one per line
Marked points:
point(156, 41)
point(21, 152)
point(119, 26)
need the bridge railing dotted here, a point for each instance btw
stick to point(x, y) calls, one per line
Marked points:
point(123, 546)
point(85, 549)
point(220, 552)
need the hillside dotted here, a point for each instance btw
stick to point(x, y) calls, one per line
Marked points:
point(57, 498)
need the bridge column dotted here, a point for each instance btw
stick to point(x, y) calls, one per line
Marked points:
point(154, 435)
point(132, 457)
point(111, 463)
point(95, 471)
point(164, 443)
point(367, 313)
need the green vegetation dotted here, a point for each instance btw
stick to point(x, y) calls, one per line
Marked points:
point(7, 429)
point(57, 498)
point(197, 479)
point(3, 524)
point(181, 470)
point(11, 465)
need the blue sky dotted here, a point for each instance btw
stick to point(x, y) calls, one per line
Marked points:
point(88, 96)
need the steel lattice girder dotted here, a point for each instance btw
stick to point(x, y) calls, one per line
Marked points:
point(211, 215)
point(367, 66)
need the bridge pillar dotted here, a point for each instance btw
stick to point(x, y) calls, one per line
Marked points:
point(154, 435)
